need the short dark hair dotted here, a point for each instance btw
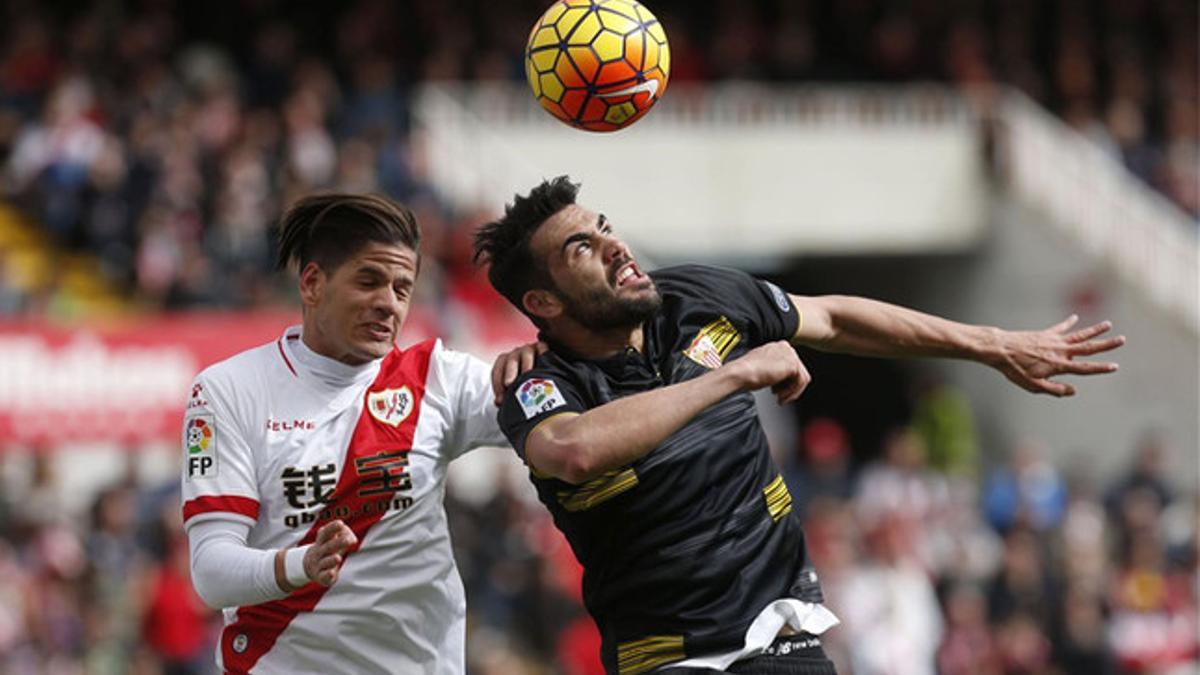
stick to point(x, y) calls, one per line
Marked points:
point(330, 228)
point(504, 243)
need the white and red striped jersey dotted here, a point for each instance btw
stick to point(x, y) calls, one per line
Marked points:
point(286, 444)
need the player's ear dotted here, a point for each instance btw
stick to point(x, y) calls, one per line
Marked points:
point(542, 303)
point(312, 284)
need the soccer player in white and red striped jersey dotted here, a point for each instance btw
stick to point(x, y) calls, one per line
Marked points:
point(314, 465)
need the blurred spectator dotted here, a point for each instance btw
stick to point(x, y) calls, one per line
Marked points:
point(944, 419)
point(1029, 491)
point(902, 483)
point(824, 470)
point(1080, 643)
point(968, 648)
point(1025, 585)
point(175, 622)
point(1154, 624)
point(890, 614)
point(1145, 475)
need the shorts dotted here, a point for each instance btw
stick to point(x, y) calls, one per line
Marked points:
point(788, 655)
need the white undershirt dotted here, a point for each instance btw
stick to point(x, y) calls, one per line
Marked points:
point(228, 573)
point(800, 616)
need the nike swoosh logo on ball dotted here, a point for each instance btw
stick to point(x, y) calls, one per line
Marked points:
point(648, 86)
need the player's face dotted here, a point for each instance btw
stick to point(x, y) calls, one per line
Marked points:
point(597, 280)
point(354, 314)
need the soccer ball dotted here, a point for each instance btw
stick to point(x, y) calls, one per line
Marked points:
point(597, 64)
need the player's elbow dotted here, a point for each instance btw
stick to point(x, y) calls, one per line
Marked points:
point(208, 591)
point(565, 459)
point(578, 466)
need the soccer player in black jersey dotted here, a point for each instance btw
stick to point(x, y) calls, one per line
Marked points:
point(642, 439)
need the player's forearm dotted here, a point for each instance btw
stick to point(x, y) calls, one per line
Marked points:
point(872, 328)
point(228, 573)
point(617, 433)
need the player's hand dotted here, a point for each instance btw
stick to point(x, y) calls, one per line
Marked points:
point(1031, 358)
point(324, 558)
point(775, 365)
point(511, 364)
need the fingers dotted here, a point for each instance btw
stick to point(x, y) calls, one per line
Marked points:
point(511, 368)
point(328, 531)
point(527, 356)
point(1060, 389)
point(1096, 346)
point(336, 537)
point(511, 364)
point(790, 388)
point(1090, 332)
point(1086, 367)
point(799, 384)
point(1065, 325)
point(504, 372)
point(322, 561)
point(497, 381)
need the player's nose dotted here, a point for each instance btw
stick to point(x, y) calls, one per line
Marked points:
point(386, 302)
point(614, 249)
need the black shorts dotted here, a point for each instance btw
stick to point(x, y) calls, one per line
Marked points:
point(789, 655)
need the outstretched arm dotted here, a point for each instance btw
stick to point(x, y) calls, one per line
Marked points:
point(1030, 359)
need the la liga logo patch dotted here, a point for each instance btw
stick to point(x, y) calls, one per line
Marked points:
point(199, 435)
point(537, 396)
point(200, 442)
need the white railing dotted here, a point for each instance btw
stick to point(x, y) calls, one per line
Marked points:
point(1089, 195)
point(741, 169)
point(456, 119)
point(742, 103)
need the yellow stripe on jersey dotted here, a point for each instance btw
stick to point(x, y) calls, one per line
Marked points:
point(598, 490)
point(713, 343)
point(723, 335)
point(779, 500)
point(533, 469)
point(642, 656)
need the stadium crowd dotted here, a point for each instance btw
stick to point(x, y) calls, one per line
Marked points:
point(933, 565)
point(166, 138)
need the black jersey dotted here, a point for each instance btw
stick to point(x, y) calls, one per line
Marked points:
point(684, 547)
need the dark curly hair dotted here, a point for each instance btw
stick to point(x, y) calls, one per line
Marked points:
point(504, 243)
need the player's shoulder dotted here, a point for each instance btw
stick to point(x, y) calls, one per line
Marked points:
point(452, 362)
point(554, 366)
point(247, 367)
point(415, 361)
point(701, 282)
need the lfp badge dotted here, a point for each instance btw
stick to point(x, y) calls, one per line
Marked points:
point(200, 439)
point(537, 396)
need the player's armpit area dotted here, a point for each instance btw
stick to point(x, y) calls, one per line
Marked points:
point(542, 429)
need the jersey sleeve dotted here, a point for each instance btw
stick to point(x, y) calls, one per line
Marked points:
point(467, 383)
point(762, 307)
point(218, 465)
point(535, 397)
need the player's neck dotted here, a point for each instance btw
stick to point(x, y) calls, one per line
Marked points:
point(593, 344)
